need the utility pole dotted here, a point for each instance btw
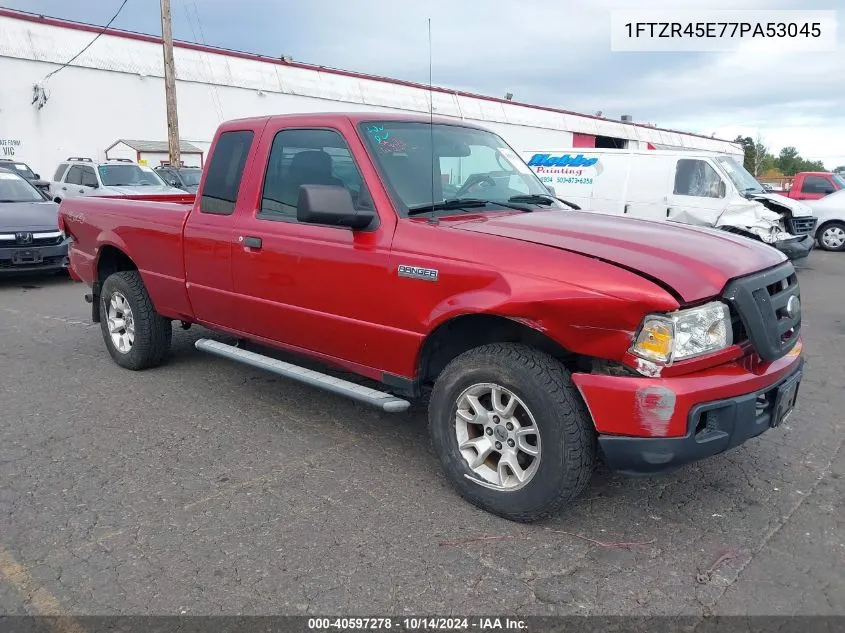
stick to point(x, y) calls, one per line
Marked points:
point(170, 85)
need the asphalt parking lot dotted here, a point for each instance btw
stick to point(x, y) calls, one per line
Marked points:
point(206, 487)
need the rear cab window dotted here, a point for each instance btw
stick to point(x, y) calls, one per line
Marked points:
point(74, 175)
point(225, 172)
point(60, 172)
point(817, 184)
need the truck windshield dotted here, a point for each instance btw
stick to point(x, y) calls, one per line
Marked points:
point(13, 188)
point(468, 163)
point(740, 177)
point(128, 176)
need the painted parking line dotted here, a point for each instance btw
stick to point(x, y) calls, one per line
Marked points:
point(39, 601)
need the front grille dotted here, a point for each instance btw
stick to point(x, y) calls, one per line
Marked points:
point(36, 241)
point(765, 315)
point(801, 226)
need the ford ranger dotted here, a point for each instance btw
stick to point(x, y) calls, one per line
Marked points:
point(543, 338)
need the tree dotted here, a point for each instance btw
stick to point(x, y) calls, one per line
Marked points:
point(788, 161)
point(840, 169)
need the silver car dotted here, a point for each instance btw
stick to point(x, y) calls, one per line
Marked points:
point(117, 177)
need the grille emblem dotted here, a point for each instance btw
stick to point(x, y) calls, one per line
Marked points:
point(23, 238)
point(793, 307)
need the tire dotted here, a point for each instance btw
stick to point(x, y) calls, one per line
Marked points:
point(565, 439)
point(150, 344)
point(831, 236)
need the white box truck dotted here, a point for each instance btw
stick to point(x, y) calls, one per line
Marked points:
point(689, 187)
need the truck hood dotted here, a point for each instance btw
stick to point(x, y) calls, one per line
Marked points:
point(28, 216)
point(694, 262)
point(799, 209)
point(143, 190)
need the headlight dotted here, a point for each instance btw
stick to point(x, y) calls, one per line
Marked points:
point(664, 338)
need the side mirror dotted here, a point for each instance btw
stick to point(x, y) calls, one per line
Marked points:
point(38, 176)
point(173, 183)
point(332, 205)
point(551, 190)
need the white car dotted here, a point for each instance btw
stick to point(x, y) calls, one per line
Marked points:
point(120, 177)
point(830, 211)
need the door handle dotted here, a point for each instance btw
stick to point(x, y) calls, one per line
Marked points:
point(82, 191)
point(252, 242)
point(667, 211)
point(64, 188)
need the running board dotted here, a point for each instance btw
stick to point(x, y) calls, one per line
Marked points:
point(385, 401)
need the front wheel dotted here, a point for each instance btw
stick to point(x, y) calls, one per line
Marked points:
point(831, 236)
point(511, 431)
point(136, 336)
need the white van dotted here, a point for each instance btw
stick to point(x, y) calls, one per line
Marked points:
point(700, 188)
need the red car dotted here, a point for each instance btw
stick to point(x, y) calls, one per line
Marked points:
point(545, 336)
point(813, 185)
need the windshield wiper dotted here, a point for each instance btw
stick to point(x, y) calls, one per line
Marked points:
point(539, 198)
point(463, 203)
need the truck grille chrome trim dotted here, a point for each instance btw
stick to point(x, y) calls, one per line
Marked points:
point(768, 307)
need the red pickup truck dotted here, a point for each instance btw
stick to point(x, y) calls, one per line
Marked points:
point(813, 185)
point(543, 337)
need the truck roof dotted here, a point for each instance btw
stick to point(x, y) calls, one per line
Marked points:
point(353, 117)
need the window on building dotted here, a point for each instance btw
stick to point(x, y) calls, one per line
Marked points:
point(220, 192)
point(817, 184)
point(697, 178)
point(308, 157)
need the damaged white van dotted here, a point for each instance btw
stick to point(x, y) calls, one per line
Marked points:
point(699, 188)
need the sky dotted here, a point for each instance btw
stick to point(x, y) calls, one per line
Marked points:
point(555, 53)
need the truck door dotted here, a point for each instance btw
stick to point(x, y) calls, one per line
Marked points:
point(699, 195)
point(315, 287)
point(649, 180)
point(209, 231)
point(815, 187)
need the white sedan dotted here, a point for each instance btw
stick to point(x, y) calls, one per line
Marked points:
point(830, 211)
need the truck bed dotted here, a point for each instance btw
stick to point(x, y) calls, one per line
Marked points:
point(149, 227)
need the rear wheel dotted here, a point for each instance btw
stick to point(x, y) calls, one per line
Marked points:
point(831, 236)
point(511, 431)
point(136, 336)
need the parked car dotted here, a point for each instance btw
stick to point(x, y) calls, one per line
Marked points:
point(79, 176)
point(30, 240)
point(830, 211)
point(185, 178)
point(23, 170)
point(542, 332)
point(814, 185)
point(688, 187)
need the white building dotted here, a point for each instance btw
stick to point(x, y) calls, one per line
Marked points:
point(115, 90)
point(153, 153)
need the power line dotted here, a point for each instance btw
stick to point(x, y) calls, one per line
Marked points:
point(96, 37)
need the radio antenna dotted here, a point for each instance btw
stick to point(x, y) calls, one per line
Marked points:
point(432, 219)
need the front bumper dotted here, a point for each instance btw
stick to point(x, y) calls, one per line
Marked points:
point(44, 259)
point(649, 425)
point(796, 249)
point(713, 428)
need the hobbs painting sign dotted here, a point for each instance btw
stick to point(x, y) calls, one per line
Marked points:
point(9, 145)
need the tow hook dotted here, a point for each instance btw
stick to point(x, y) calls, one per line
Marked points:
point(94, 299)
point(185, 325)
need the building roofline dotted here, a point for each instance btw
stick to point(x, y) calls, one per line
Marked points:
point(144, 37)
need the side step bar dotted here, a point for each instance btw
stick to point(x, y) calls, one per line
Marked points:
point(385, 401)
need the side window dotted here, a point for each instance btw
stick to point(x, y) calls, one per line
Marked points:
point(817, 184)
point(220, 191)
point(697, 178)
point(308, 157)
point(89, 178)
point(74, 175)
point(57, 177)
